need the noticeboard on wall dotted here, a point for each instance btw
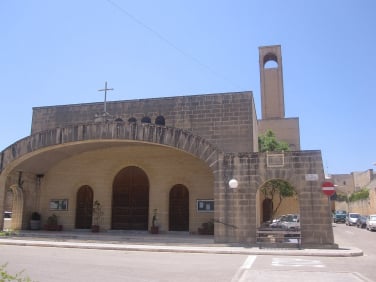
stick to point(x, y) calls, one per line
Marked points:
point(59, 204)
point(205, 205)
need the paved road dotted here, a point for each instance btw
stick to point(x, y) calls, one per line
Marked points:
point(64, 264)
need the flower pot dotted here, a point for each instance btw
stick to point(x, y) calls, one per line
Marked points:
point(34, 224)
point(154, 230)
point(95, 228)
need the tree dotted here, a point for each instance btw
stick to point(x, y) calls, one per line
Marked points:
point(268, 142)
point(275, 187)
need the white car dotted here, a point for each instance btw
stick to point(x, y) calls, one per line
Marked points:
point(371, 222)
point(291, 222)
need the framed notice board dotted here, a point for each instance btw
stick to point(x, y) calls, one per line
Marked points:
point(205, 205)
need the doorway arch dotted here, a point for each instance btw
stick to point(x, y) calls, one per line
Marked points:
point(84, 207)
point(179, 208)
point(130, 199)
point(267, 210)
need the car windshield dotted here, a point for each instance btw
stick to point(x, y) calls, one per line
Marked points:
point(373, 217)
point(354, 215)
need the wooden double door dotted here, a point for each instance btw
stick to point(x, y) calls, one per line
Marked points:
point(130, 200)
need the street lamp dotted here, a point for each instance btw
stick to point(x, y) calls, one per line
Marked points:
point(233, 183)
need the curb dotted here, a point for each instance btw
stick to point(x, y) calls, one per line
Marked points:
point(342, 252)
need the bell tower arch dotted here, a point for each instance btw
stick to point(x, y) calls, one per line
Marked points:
point(272, 97)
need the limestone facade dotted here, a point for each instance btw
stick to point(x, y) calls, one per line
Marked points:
point(196, 142)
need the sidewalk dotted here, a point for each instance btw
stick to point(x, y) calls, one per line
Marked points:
point(143, 241)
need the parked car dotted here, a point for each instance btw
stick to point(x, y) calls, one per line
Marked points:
point(362, 221)
point(291, 222)
point(371, 222)
point(352, 218)
point(276, 223)
point(339, 216)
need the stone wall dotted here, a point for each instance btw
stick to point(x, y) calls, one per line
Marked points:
point(226, 120)
point(237, 209)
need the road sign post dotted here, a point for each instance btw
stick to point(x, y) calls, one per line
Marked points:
point(328, 188)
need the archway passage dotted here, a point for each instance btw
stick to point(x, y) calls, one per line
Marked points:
point(179, 208)
point(130, 199)
point(84, 207)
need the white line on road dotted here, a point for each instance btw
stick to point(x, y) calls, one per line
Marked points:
point(247, 264)
point(296, 262)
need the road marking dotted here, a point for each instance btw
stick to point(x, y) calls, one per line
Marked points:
point(296, 262)
point(247, 264)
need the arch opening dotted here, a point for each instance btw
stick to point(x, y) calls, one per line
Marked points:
point(278, 202)
point(270, 61)
point(179, 208)
point(84, 207)
point(130, 200)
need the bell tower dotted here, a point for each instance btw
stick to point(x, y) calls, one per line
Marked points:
point(273, 100)
point(272, 97)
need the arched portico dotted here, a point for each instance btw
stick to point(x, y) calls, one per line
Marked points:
point(37, 154)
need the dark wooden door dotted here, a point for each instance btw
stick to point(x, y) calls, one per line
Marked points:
point(130, 200)
point(267, 210)
point(179, 208)
point(84, 207)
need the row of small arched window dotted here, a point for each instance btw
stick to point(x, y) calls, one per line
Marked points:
point(159, 120)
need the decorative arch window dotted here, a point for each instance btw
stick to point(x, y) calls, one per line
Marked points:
point(132, 120)
point(146, 119)
point(160, 120)
point(270, 61)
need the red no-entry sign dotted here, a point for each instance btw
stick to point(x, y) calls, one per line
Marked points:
point(328, 188)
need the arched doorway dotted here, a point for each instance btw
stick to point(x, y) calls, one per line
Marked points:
point(267, 210)
point(278, 198)
point(130, 199)
point(179, 208)
point(84, 207)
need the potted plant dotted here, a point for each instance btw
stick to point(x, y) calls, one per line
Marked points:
point(52, 224)
point(97, 216)
point(207, 228)
point(154, 223)
point(35, 221)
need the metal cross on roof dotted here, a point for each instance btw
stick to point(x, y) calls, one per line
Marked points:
point(105, 96)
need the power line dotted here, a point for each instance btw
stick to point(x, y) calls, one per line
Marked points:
point(170, 43)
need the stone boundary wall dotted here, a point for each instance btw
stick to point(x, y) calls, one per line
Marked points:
point(364, 207)
point(236, 209)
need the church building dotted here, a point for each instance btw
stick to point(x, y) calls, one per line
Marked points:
point(176, 162)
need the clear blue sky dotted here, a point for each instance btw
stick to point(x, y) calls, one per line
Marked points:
point(62, 52)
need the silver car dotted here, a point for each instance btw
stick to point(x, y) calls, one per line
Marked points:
point(371, 222)
point(352, 218)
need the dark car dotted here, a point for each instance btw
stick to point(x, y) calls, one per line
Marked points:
point(339, 216)
point(361, 222)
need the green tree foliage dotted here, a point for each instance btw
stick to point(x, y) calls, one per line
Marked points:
point(7, 277)
point(340, 197)
point(360, 195)
point(268, 142)
point(277, 188)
